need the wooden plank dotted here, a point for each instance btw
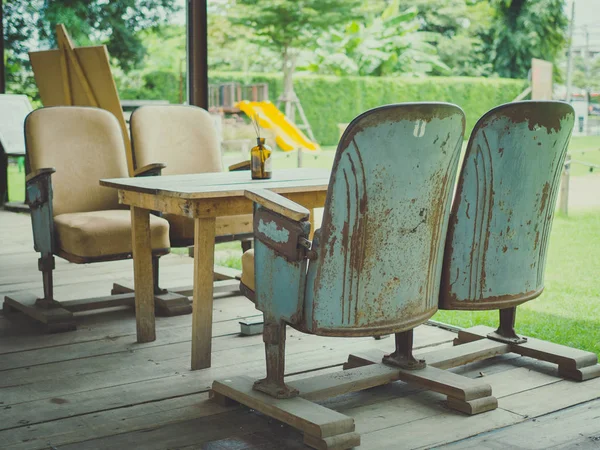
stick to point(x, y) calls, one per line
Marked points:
point(109, 422)
point(153, 378)
point(107, 326)
point(204, 244)
point(213, 206)
point(297, 412)
point(574, 427)
point(223, 184)
point(546, 399)
point(142, 269)
point(277, 203)
point(573, 363)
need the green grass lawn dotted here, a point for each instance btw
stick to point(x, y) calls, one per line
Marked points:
point(587, 149)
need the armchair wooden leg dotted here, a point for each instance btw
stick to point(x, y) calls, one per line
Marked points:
point(273, 384)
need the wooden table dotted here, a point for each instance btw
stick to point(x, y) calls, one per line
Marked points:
point(203, 197)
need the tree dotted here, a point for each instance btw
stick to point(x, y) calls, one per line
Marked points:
point(19, 31)
point(114, 23)
point(526, 29)
point(287, 26)
point(389, 44)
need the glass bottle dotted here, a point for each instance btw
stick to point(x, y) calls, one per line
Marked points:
point(260, 160)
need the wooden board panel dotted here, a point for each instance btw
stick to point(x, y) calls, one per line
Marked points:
point(223, 184)
point(575, 427)
point(297, 412)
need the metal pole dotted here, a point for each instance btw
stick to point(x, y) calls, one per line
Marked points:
point(570, 55)
point(197, 53)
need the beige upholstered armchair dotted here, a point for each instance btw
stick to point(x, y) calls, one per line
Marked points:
point(182, 140)
point(69, 150)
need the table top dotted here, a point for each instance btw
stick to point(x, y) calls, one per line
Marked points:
point(223, 184)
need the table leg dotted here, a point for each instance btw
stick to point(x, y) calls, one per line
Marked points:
point(202, 309)
point(142, 274)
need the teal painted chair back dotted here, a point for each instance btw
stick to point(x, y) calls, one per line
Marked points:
point(505, 200)
point(379, 251)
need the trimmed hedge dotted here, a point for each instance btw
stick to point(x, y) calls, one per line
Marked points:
point(329, 100)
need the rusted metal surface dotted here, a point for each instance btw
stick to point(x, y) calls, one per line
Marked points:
point(280, 275)
point(280, 234)
point(38, 192)
point(380, 247)
point(500, 223)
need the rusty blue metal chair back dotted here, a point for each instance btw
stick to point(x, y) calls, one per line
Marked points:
point(504, 206)
point(381, 243)
point(375, 265)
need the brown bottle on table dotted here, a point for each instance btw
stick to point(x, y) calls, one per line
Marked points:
point(260, 160)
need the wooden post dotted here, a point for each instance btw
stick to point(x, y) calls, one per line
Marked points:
point(142, 274)
point(3, 157)
point(202, 309)
point(197, 54)
point(563, 203)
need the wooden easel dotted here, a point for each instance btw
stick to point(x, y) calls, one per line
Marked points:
point(78, 76)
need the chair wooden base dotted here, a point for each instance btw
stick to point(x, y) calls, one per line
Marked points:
point(58, 316)
point(573, 363)
point(473, 345)
point(327, 429)
point(323, 428)
point(225, 280)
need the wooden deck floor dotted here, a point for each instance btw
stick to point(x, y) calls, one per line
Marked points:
point(96, 388)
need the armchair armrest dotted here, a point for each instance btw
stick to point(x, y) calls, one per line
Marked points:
point(47, 171)
point(277, 203)
point(38, 192)
point(150, 170)
point(243, 165)
point(38, 187)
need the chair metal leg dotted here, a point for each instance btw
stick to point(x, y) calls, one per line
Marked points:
point(46, 310)
point(247, 244)
point(155, 273)
point(506, 330)
point(403, 356)
point(273, 384)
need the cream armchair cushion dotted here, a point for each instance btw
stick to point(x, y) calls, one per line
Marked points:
point(98, 234)
point(84, 145)
point(248, 269)
point(182, 137)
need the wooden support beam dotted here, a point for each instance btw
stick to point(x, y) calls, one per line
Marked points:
point(197, 53)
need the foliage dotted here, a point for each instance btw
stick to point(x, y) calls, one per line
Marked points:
point(388, 44)
point(581, 78)
point(19, 31)
point(116, 24)
point(526, 29)
point(329, 100)
point(286, 26)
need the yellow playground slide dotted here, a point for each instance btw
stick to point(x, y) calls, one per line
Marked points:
point(287, 135)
